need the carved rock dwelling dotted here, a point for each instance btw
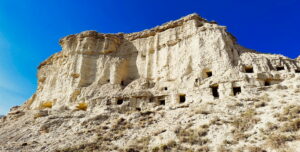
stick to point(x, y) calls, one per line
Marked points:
point(160, 84)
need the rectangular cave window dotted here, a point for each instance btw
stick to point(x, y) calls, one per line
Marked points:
point(249, 69)
point(209, 74)
point(122, 83)
point(297, 71)
point(215, 91)
point(120, 101)
point(182, 98)
point(236, 90)
point(279, 68)
point(162, 102)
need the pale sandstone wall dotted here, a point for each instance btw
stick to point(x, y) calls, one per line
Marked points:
point(154, 65)
point(157, 90)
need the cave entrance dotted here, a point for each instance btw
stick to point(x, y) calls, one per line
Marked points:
point(267, 82)
point(182, 98)
point(206, 73)
point(279, 68)
point(120, 101)
point(209, 74)
point(215, 91)
point(236, 90)
point(249, 69)
point(161, 100)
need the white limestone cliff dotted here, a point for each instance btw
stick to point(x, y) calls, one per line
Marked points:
point(174, 57)
point(188, 63)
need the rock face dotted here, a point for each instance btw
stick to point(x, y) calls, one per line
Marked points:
point(187, 83)
point(175, 59)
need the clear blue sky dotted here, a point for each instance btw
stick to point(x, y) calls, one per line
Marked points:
point(30, 29)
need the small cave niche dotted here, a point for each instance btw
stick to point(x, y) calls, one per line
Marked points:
point(108, 80)
point(249, 69)
point(182, 98)
point(267, 82)
point(162, 102)
point(236, 90)
point(280, 68)
point(209, 74)
point(197, 80)
point(270, 81)
point(165, 88)
point(120, 101)
point(215, 91)
point(206, 73)
point(108, 102)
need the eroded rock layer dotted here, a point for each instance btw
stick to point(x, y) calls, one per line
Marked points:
point(173, 59)
point(189, 64)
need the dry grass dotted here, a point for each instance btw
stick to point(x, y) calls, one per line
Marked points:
point(289, 113)
point(166, 147)
point(173, 146)
point(82, 106)
point(243, 123)
point(222, 148)
point(139, 145)
point(193, 136)
point(260, 104)
point(46, 104)
point(202, 110)
point(203, 149)
point(39, 115)
point(277, 140)
point(105, 136)
point(265, 98)
point(75, 75)
point(216, 121)
point(278, 135)
point(271, 127)
point(294, 125)
point(292, 111)
point(42, 79)
point(255, 149)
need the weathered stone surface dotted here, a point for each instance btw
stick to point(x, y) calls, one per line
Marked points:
point(161, 86)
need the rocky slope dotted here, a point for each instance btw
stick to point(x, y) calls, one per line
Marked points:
point(183, 86)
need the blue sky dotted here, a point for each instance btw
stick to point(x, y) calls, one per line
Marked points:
point(30, 29)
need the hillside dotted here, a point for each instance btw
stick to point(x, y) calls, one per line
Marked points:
point(186, 85)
